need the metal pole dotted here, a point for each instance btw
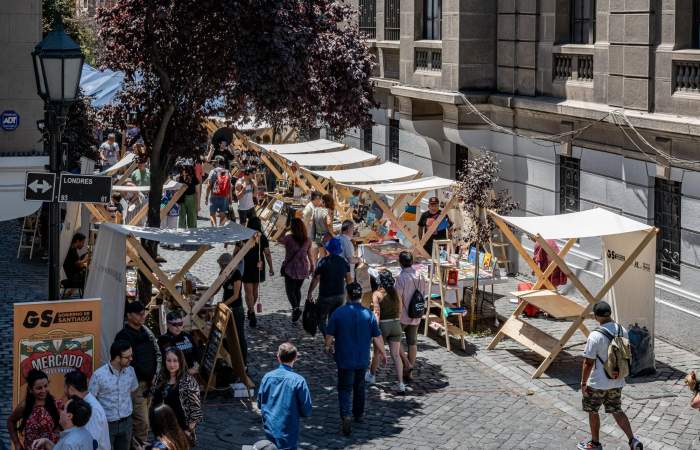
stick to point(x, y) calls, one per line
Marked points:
point(54, 207)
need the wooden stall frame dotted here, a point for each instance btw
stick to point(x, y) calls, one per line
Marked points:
point(537, 340)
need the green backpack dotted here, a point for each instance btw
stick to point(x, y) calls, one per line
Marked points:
point(619, 354)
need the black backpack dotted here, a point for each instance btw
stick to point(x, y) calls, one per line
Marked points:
point(416, 307)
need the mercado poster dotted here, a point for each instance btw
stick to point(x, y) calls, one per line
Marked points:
point(55, 337)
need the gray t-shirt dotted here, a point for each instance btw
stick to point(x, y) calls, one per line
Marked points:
point(76, 438)
point(597, 346)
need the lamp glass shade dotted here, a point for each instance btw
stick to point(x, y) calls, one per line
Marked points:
point(58, 64)
point(39, 74)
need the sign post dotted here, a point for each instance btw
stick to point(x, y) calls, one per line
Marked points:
point(84, 188)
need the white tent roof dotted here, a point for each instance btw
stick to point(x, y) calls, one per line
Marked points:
point(232, 232)
point(385, 172)
point(590, 223)
point(333, 159)
point(408, 187)
point(171, 185)
point(317, 146)
point(121, 164)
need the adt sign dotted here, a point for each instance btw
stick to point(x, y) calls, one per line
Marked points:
point(9, 120)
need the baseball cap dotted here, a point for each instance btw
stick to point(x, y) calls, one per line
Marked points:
point(135, 307)
point(219, 158)
point(602, 309)
point(354, 290)
point(433, 200)
point(334, 246)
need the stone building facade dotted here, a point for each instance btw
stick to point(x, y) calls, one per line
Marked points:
point(541, 68)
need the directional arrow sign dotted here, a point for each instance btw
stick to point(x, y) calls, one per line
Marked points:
point(39, 186)
point(84, 188)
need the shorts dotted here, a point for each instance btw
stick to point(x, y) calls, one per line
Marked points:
point(610, 398)
point(218, 204)
point(391, 330)
point(411, 334)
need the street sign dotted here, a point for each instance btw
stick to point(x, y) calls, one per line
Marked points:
point(40, 186)
point(84, 188)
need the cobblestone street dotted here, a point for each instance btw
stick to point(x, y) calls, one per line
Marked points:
point(474, 400)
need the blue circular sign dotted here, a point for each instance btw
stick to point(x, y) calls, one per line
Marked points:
point(9, 120)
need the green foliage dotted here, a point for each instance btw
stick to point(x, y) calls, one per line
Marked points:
point(79, 30)
point(79, 134)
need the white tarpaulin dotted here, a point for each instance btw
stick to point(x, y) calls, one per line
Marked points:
point(232, 232)
point(633, 296)
point(590, 223)
point(121, 164)
point(380, 173)
point(408, 187)
point(347, 157)
point(170, 185)
point(317, 146)
point(107, 280)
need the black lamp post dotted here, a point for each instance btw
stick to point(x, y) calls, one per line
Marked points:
point(58, 63)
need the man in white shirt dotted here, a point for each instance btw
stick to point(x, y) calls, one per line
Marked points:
point(109, 152)
point(307, 215)
point(347, 229)
point(596, 387)
point(112, 385)
point(76, 383)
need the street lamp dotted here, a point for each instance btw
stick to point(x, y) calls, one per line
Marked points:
point(58, 63)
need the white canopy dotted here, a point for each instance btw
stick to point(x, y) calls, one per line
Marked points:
point(121, 164)
point(317, 146)
point(590, 223)
point(407, 187)
point(13, 175)
point(347, 157)
point(170, 185)
point(385, 172)
point(232, 232)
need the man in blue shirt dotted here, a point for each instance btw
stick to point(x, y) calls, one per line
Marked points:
point(73, 418)
point(353, 326)
point(331, 275)
point(283, 398)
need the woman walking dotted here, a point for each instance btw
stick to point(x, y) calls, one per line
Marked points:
point(233, 297)
point(188, 201)
point(298, 262)
point(386, 305)
point(166, 430)
point(254, 270)
point(176, 388)
point(37, 416)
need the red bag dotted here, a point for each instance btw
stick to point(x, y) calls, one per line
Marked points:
point(222, 187)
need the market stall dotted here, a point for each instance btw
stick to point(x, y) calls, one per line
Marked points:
point(386, 172)
point(629, 259)
point(122, 169)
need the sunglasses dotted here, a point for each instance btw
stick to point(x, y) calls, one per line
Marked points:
point(176, 324)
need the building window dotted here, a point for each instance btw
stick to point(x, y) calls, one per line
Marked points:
point(667, 218)
point(367, 139)
point(569, 184)
point(432, 20)
point(368, 18)
point(696, 24)
point(583, 21)
point(392, 20)
point(394, 141)
point(461, 161)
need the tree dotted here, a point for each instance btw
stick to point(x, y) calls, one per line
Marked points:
point(79, 133)
point(79, 29)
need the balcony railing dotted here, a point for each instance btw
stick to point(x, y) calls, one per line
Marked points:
point(428, 59)
point(567, 67)
point(686, 76)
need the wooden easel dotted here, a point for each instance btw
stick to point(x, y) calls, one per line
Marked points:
point(549, 299)
point(437, 276)
point(223, 343)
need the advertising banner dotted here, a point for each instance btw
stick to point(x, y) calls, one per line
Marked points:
point(55, 337)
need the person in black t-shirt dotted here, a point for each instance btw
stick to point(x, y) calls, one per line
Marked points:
point(74, 265)
point(181, 340)
point(427, 219)
point(233, 299)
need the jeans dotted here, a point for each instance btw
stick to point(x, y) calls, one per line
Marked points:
point(239, 319)
point(325, 307)
point(188, 212)
point(120, 434)
point(141, 405)
point(293, 288)
point(351, 392)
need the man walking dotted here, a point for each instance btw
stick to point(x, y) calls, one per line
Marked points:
point(332, 272)
point(597, 388)
point(72, 418)
point(76, 384)
point(112, 385)
point(407, 283)
point(353, 326)
point(283, 398)
point(347, 229)
point(218, 194)
point(146, 364)
point(109, 152)
point(245, 191)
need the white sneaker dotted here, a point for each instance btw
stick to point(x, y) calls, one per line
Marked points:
point(369, 378)
point(402, 388)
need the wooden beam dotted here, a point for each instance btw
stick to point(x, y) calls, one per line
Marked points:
point(399, 225)
point(176, 196)
point(565, 268)
point(431, 229)
point(98, 213)
point(127, 173)
point(190, 262)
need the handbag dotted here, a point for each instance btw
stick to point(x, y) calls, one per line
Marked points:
point(309, 318)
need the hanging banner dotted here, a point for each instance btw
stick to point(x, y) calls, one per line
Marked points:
point(55, 337)
point(632, 297)
point(107, 280)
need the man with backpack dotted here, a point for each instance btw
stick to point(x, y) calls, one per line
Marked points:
point(218, 193)
point(411, 288)
point(606, 364)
